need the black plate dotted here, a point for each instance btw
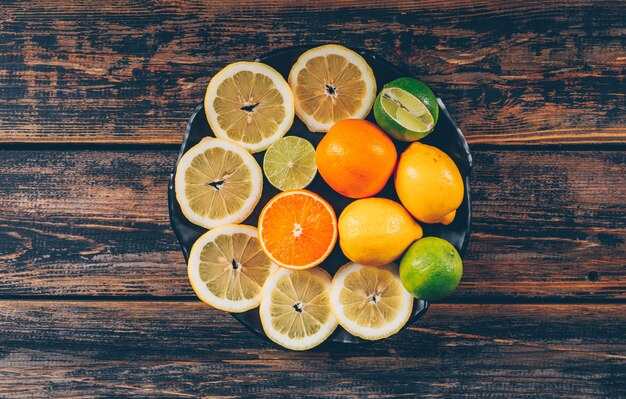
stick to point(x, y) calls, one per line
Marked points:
point(447, 136)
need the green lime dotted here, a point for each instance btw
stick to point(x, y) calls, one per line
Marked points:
point(289, 163)
point(406, 109)
point(431, 268)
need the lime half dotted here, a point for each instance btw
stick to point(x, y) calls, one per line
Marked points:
point(289, 163)
point(406, 109)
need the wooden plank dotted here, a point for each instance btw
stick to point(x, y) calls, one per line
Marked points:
point(165, 349)
point(93, 223)
point(525, 72)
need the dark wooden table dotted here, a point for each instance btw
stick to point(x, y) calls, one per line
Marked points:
point(94, 298)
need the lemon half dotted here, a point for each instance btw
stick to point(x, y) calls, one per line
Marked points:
point(370, 302)
point(295, 310)
point(217, 182)
point(227, 268)
point(249, 103)
point(331, 83)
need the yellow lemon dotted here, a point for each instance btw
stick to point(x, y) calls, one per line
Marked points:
point(376, 231)
point(370, 302)
point(249, 103)
point(295, 308)
point(331, 83)
point(429, 184)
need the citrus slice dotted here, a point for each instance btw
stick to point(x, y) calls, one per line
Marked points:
point(297, 229)
point(249, 103)
point(331, 83)
point(227, 268)
point(217, 182)
point(370, 302)
point(295, 309)
point(406, 109)
point(289, 163)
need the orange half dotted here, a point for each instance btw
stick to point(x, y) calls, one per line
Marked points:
point(297, 229)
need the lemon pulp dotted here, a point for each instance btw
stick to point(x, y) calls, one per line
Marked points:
point(295, 309)
point(331, 83)
point(371, 297)
point(217, 182)
point(227, 268)
point(249, 103)
point(370, 302)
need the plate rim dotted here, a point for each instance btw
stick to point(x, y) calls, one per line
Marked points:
point(424, 305)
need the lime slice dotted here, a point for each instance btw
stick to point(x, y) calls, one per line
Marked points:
point(217, 182)
point(295, 309)
point(227, 268)
point(289, 163)
point(406, 109)
point(370, 302)
point(249, 103)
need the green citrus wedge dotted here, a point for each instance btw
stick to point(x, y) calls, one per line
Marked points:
point(289, 163)
point(406, 109)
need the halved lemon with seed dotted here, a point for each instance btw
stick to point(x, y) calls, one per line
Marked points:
point(227, 268)
point(331, 83)
point(295, 309)
point(370, 302)
point(249, 103)
point(217, 182)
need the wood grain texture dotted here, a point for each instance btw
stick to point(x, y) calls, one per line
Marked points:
point(132, 71)
point(95, 223)
point(170, 350)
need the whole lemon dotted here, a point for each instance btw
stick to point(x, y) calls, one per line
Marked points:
point(429, 184)
point(356, 158)
point(376, 231)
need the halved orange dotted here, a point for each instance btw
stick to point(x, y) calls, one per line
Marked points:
point(297, 229)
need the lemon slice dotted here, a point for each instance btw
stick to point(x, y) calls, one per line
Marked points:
point(217, 182)
point(289, 163)
point(331, 83)
point(227, 268)
point(295, 310)
point(249, 103)
point(370, 302)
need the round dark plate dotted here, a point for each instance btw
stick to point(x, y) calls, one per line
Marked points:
point(447, 136)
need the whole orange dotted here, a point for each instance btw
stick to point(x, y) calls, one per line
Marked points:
point(356, 158)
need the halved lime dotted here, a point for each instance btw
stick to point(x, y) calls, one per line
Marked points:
point(406, 109)
point(289, 163)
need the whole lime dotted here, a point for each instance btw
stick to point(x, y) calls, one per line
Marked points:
point(431, 268)
point(407, 109)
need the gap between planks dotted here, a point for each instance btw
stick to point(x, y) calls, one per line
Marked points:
point(121, 146)
point(547, 301)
